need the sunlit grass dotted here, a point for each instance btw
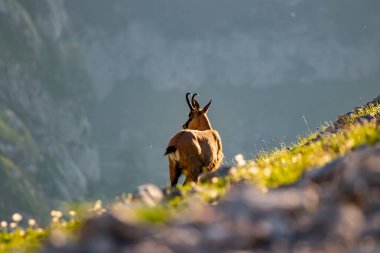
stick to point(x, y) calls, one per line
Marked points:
point(21, 240)
point(19, 235)
point(283, 166)
point(371, 109)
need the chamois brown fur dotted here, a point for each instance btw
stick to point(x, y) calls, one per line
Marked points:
point(195, 149)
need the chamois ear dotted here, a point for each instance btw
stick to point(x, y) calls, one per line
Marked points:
point(205, 109)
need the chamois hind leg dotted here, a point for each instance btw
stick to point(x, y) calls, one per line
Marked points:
point(175, 172)
point(193, 175)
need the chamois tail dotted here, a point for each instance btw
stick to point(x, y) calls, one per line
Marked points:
point(170, 149)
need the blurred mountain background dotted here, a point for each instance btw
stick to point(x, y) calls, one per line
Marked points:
point(92, 90)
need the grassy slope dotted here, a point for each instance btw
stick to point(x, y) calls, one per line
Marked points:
point(269, 169)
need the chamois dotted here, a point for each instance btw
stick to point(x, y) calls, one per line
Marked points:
point(197, 148)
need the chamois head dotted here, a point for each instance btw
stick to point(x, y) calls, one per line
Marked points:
point(197, 116)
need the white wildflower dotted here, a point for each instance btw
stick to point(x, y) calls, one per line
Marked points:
point(13, 225)
point(56, 214)
point(4, 224)
point(16, 217)
point(239, 159)
point(32, 222)
point(98, 205)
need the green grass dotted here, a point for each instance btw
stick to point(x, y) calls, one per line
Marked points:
point(364, 110)
point(31, 239)
point(18, 237)
point(21, 240)
point(283, 166)
point(273, 168)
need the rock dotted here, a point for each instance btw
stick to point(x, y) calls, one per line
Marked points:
point(108, 226)
point(342, 120)
point(351, 175)
point(148, 247)
point(330, 129)
point(340, 123)
point(348, 223)
point(104, 234)
point(149, 194)
point(180, 238)
point(321, 135)
point(365, 119)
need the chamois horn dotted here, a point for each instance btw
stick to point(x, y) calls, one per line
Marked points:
point(188, 102)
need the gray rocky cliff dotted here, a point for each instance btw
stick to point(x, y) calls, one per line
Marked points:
point(47, 153)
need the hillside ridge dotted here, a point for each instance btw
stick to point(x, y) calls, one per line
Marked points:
point(330, 206)
point(319, 194)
